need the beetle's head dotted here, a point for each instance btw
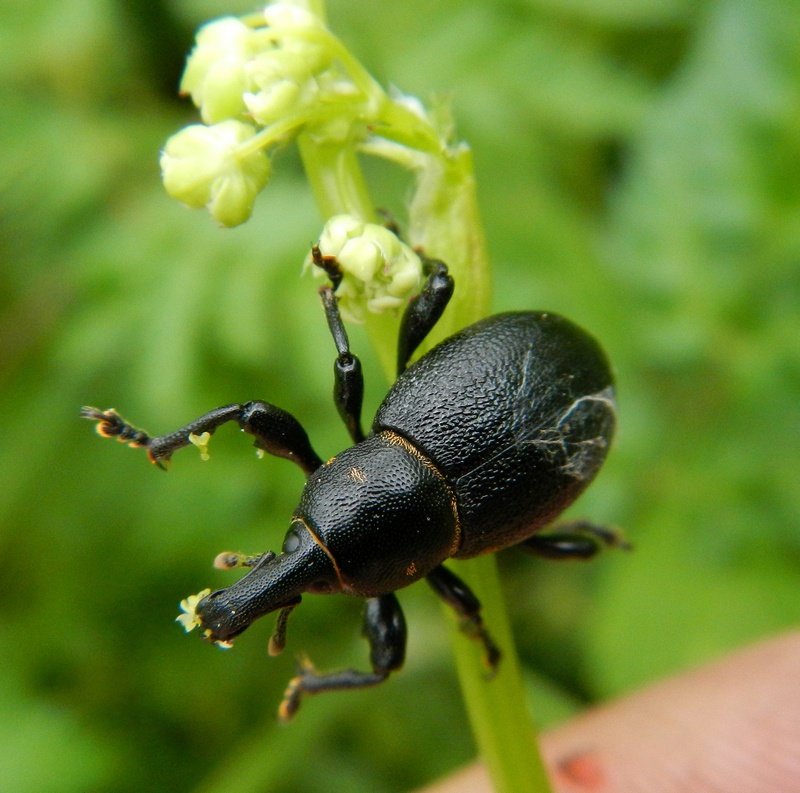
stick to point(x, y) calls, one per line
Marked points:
point(274, 582)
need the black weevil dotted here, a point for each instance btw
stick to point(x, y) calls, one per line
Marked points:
point(478, 445)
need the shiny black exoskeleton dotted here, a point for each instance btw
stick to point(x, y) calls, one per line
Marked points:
point(478, 446)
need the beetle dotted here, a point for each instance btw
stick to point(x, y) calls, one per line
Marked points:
point(479, 445)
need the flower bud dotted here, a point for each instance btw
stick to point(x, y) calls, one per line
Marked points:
point(290, 14)
point(201, 166)
point(380, 271)
point(281, 83)
point(338, 230)
point(214, 74)
point(361, 258)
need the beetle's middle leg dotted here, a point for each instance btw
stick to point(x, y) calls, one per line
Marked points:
point(460, 597)
point(385, 630)
point(576, 540)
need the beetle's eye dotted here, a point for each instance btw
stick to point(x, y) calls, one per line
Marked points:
point(292, 541)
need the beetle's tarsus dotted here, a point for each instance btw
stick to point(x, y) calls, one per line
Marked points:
point(475, 629)
point(384, 629)
point(291, 700)
point(308, 681)
point(111, 425)
point(330, 264)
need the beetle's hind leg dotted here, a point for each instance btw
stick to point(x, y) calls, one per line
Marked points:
point(460, 597)
point(576, 540)
point(385, 630)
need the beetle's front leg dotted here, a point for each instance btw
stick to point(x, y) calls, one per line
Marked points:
point(348, 380)
point(576, 540)
point(276, 431)
point(385, 630)
point(424, 310)
point(461, 598)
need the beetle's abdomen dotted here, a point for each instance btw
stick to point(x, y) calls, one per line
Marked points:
point(517, 412)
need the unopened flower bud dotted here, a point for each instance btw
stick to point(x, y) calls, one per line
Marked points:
point(281, 83)
point(215, 73)
point(290, 14)
point(380, 271)
point(201, 166)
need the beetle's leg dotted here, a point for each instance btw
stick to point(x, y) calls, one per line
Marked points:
point(277, 642)
point(329, 264)
point(424, 310)
point(348, 380)
point(276, 432)
point(460, 597)
point(576, 540)
point(385, 630)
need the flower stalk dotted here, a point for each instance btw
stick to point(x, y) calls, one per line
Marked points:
point(265, 79)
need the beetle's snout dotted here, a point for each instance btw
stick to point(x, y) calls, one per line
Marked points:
point(219, 620)
point(274, 582)
point(215, 615)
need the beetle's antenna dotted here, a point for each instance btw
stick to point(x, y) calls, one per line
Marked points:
point(230, 560)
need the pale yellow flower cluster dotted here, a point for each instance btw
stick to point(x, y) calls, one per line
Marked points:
point(380, 271)
point(263, 74)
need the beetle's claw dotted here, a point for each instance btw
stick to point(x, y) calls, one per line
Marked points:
point(492, 655)
point(473, 628)
point(616, 539)
point(304, 665)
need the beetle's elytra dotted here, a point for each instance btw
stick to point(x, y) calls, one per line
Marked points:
point(478, 446)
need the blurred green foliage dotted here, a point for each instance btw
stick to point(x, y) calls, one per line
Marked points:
point(639, 170)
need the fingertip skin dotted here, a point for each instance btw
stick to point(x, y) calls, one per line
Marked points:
point(732, 725)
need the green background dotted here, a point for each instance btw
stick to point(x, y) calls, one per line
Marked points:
point(638, 165)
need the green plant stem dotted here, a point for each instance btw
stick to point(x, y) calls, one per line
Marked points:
point(335, 177)
point(498, 706)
